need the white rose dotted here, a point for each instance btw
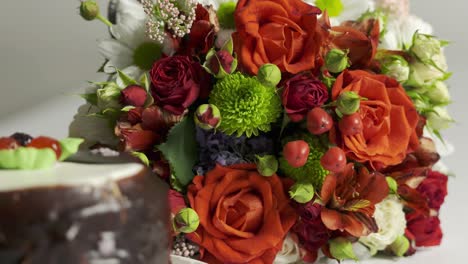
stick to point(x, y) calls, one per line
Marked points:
point(440, 119)
point(400, 32)
point(290, 253)
point(391, 221)
point(424, 74)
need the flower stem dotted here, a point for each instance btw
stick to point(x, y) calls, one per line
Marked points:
point(104, 20)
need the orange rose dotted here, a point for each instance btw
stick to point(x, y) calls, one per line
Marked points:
point(388, 116)
point(282, 32)
point(244, 216)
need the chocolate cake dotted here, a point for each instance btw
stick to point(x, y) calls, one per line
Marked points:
point(111, 212)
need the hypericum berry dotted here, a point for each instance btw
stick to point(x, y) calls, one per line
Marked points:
point(8, 143)
point(351, 125)
point(296, 153)
point(46, 142)
point(22, 138)
point(334, 160)
point(319, 121)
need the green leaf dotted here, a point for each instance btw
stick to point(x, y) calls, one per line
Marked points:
point(142, 157)
point(392, 185)
point(69, 147)
point(333, 7)
point(341, 248)
point(181, 150)
point(145, 83)
point(126, 80)
point(90, 98)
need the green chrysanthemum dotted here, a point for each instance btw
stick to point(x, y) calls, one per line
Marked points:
point(246, 105)
point(312, 171)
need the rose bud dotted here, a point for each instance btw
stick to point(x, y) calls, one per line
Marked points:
point(134, 95)
point(341, 249)
point(425, 47)
point(207, 117)
point(220, 63)
point(302, 192)
point(439, 119)
point(269, 75)
point(108, 97)
point(186, 221)
point(348, 103)
point(400, 246)
point(439, 93)
point(267, 165)
point(396, 67)
point(89, 10)
point(337, 60)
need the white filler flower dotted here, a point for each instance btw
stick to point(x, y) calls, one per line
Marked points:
point(391, 221)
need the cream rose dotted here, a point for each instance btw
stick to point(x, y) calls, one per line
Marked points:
point(391, 221)
point(290, 253)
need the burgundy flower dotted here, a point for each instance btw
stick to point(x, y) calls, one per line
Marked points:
point(221, 59)
point(155, 119)
point(134, 95)
point(434, 188)
point(425, 229)
point(302, 93)
point(177, 82)
point(310, 230)
point(134, 115)
point(137, 139)
point(202, 35)
point(176, 201)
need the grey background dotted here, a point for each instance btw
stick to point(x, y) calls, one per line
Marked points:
point(47, 53)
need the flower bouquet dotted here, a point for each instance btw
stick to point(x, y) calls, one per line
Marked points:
point(288, 131)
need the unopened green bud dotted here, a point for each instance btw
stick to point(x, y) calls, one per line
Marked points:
point(89, 10)
point(392, 185)
point(439, 93)
point(302, 192)
point(425, 47)
point(400, 246)
point(341, 249)
point(267, 165)
point(109, 96)
point(269, 75)
point(336, 60)
point(207, 117)
point(186, 221)
point(396, 67)
point(348, 103)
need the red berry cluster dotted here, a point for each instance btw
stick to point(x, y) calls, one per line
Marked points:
point(23, 140)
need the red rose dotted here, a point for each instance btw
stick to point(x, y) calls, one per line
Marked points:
point(434, 188)
point(133, 95)
point(177, 83)
point(302, 93)
point(425, 229)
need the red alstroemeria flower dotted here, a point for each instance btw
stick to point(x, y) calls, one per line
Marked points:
point(349, 200)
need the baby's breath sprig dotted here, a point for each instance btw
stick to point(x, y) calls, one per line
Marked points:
point(173, 16)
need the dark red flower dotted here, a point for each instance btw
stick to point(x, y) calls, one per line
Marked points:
point(134, 115)
point(202, 35)
point(425, 229)
point(434, 188)
point(137, 139)
point(177, 82)
point(221, 59)
point(176, 201)
point(134, 95)
point(310, 230)
point(350, 197)
point(302, 93)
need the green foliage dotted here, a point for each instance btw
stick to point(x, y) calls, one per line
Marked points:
point(333, 7)
point(246, 105)
point(181, 150)
point(226, 14)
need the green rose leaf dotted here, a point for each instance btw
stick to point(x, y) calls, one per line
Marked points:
point(69, 147)
point(181, 150)
point(24, 158)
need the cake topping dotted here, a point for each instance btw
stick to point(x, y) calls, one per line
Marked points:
point(21, 151)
